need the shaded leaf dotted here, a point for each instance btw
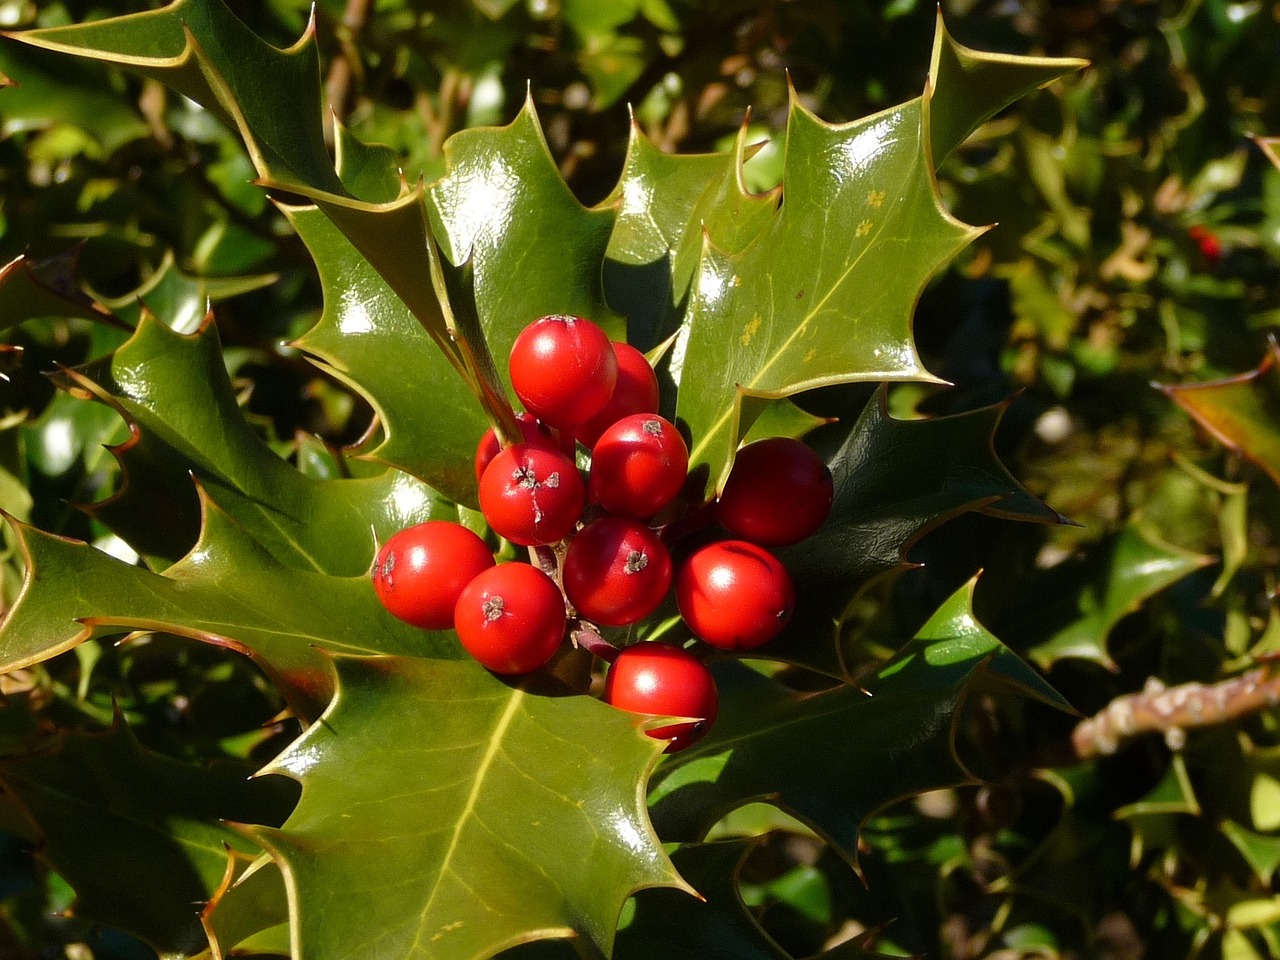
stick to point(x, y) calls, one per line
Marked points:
point(180, 299)
point(772, 744)
point(249, 910)
point(228, 590)
point(138, 836)
point(1112, 581)
point(524, 818)
point(24, 296)
point(175, 393)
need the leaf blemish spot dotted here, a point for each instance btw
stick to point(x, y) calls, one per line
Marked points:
point(863, 228)
point(876, 199)
point(749, 331)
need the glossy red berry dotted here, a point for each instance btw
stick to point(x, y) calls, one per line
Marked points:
point(532, 432)
point(778, 492)
point(635, 392)
point(667, 681)
point(1208, 242)
point(563, 369)
point(531, 495)
point(421, 570)
point(734, 595)
point(638, 465)
point(616, 571)
point(511, 618)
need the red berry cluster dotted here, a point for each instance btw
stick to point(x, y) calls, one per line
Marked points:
point(599, 548)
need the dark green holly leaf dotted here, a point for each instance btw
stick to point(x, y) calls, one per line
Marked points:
point(25, 296)
point(523, 817)
point(180, 299)
point(249, 910)
point(1241, 412)
point(271, 96)
point(670, 923)
point(1154, 818)
point(1116, 577)
point(175, 393)
point(772, 744)
point(825, 294)
point(228, 590)
point(139, 837)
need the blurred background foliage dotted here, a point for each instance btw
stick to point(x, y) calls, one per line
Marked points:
point(1138, 246)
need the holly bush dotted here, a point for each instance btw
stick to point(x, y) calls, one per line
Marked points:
point(265, 267)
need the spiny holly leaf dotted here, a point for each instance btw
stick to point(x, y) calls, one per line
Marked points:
point(825, 294)
point(522, 816)
point(367, 337)
point(175, 393)
point(669, 923)
point(249, 910)
point(1114, 580)
point(772, 744)
point(897, 479)
point(272, 96)
point(181, 299)
point(664, 203)
point(503, 210)
point(138, 836)
point(228, 590)
point(1154, 818)
point(1241, 412)
point(25, 296)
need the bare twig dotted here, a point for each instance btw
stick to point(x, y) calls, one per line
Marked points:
point(1171, 710)
point(337, 85)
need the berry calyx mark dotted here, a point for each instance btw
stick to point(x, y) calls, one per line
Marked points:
point(636, 561)
point(493, 608)
point(653, 428)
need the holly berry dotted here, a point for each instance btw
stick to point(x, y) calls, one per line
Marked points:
point(532, 432)
point(778, 492)
point(734, 595)
point(1208, 242)
point(511, 618)
point(616, 571)
point(635, 392)
point(638, 465)
point(668, 681)
point(531, 495)
point(563, 369)
point(421, 570)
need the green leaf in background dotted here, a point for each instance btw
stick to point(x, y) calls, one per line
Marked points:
point(180, 299)
point(826, 293)
point(770, 743)
point(175, 393)
point(249, 911)
point(139, 836)
point(497, 814)
point(229, 590)
point(1241, 412)
point(25, 296)
point(669, 923)
point(1114, 580)
point(272, 97)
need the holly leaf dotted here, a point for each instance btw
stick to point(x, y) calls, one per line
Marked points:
point(524, 817)
point(249, 910)
point(1241, 412)
point(770, 743)
point(138, 836)
point(25, 296)
point(664, 204)
point(669, 923)
point(181, 299)
point(1113, 580)
point(229, 590)
point(175, 394)
point(825, 293)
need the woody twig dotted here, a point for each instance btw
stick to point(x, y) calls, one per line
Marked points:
point(1171, 711)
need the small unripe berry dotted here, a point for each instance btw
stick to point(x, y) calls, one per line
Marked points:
point(531, 495)
point(563, 369)
point(511, 618)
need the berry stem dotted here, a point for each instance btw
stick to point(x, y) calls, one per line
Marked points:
point(585, 636)
point(690, 522)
